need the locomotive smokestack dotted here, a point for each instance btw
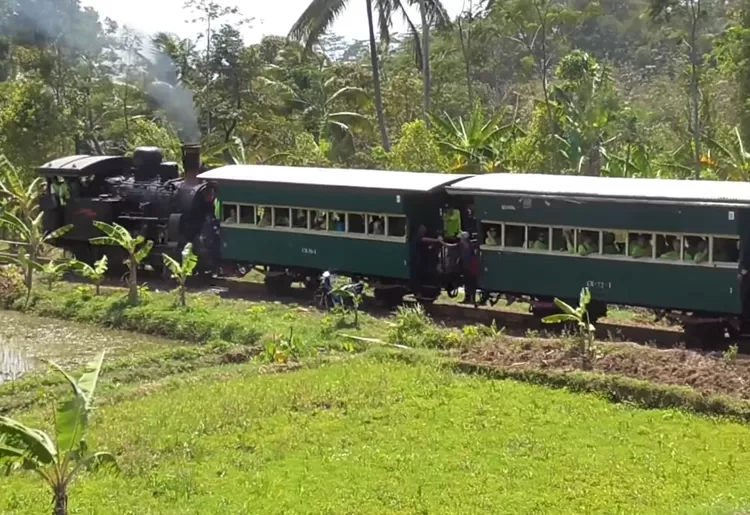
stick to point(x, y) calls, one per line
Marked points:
point(191, 162)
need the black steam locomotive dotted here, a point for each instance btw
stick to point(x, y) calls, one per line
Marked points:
point(142, 193)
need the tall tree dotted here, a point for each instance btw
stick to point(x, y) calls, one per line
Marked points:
point(689, 18)
point(320, 15)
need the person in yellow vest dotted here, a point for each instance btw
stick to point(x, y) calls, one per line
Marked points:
point(451, 222)
point(587, 245)
point(541, 241)
point(701, 252)
point(640, 248)
point(673, 254)
point(60, 188)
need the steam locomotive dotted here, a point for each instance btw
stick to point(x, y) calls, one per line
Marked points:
point(144, 194)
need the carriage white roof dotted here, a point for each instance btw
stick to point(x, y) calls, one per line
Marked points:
point(332, 177)
point(606, 188)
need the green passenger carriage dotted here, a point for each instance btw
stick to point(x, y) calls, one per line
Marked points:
point(298, 222)
point(664, 244)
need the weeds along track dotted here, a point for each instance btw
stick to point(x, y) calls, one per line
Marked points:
point(514, 323)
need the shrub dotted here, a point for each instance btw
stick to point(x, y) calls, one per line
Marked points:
point(11, 286)
point(414, 328)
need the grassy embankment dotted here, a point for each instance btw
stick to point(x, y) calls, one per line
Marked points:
point(211, 425)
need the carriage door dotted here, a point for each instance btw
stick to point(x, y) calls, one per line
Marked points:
point(743, 230)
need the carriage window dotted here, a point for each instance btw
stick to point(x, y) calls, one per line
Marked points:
point(281, 217)
point(515, 235)
point(696, 249)
point(726, 250)
point(375, 225)
point(640, 245)
point(560, 239)
point(356, 223)
point(539, 238)
point(587, 242)
point(229, 214)
point(397, 226)
point(318, 220)
point(299, 218)
point(247, 215)
point(669, 246)
point(336, 221)
point(492, 234)
point(264, 216)
point(614, 243)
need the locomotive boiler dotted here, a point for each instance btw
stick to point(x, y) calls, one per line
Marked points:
point(143, 193)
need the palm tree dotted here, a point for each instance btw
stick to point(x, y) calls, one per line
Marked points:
point(57, 461)
point(320, 15)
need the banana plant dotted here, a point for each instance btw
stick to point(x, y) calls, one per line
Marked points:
point(137, 249)
point(474, 144)
point(32, 240)
point(58, 459)
point(181, 271)
point(349, 293)
point(53, 272)
point(736, 161)
point(18, 198)
point(580, 317)
point(94, 273)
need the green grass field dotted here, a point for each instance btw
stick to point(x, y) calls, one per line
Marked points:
point(372, 434)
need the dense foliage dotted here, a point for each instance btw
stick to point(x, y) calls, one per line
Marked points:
point(636, 88)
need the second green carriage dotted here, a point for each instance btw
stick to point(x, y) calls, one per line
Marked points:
point(663, 244)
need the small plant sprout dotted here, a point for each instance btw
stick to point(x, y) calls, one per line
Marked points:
point(57, 461)
point(181, 271)
point(95, 273)
point(580, 317)
point(730, 355)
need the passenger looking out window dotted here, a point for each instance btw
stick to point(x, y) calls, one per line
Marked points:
point(541, 241)
point(376, 225)
point(230, 215)
point(640, 247)
point(700, 253)
point(299, 218)
point(336, 222)
point(587, 243)
point(492, 237)
point(281, 218)
point(265, 216)
point(675, 247)
point(318, 222)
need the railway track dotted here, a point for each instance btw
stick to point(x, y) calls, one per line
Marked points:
point(514, 323)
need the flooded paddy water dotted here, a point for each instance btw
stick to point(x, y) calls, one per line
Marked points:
point(26, 340)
